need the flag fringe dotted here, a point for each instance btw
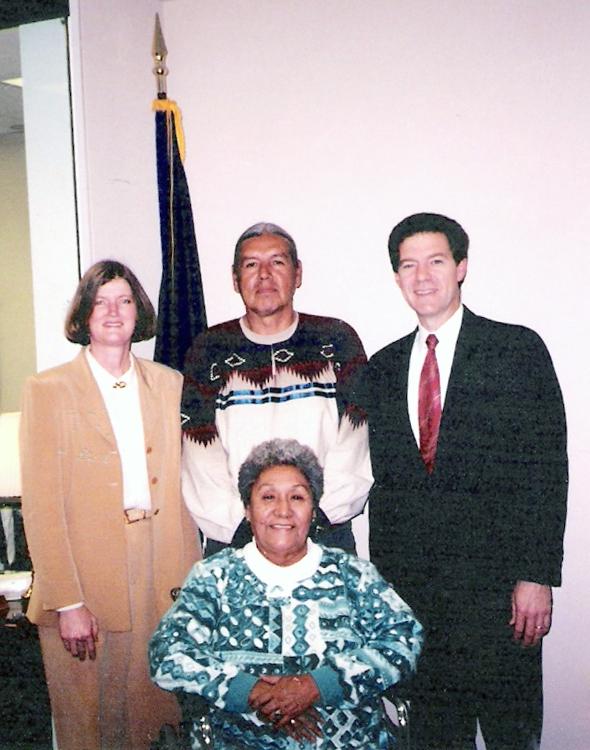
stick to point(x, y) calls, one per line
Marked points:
point(171, 108)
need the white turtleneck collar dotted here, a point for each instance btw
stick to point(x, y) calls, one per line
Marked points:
point(281, 580)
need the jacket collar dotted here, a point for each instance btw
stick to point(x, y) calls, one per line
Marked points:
point(91, 404)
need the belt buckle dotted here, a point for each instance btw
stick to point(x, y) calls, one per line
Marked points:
point(132, 515)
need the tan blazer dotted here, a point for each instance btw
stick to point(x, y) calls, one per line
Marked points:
point(72, 493)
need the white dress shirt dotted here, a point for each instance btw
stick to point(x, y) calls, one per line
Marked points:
point(124, 410)
point(447, 336)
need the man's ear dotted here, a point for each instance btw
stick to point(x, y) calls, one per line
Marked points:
point(236, 281)
point(461, 270)
point(396, 277)
point(298, 275)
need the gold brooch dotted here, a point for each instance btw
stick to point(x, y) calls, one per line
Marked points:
point(120, 384)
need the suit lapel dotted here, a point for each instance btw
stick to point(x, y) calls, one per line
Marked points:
point(90, 403)
point(462, 360)
point(149, 401)
point(404, 416)
point(460, 377)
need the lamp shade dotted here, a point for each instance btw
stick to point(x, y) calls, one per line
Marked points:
point(9, 455)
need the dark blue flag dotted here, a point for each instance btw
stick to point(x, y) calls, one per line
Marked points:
point(181, 306)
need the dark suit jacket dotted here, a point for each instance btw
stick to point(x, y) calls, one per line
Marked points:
point(493, 510)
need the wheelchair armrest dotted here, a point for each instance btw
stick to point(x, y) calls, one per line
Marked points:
point(402, 714)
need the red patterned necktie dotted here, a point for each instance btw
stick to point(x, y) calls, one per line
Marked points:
point(429, 404)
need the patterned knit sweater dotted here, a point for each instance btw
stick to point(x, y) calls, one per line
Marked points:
point(241, 389)
point(330, 615)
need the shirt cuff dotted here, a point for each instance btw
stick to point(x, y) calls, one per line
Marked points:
point(236, 698)
point(70, 607)
point(328, 683)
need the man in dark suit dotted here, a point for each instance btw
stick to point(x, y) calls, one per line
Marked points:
point(468, 445)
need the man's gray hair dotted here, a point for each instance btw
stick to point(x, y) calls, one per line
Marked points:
point(258, 230)
point(281, 452)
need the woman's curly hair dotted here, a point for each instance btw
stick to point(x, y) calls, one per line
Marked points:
point(281, 452)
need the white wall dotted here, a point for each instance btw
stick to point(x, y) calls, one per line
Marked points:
point(50, 184)
point(112, 91)
point(336, 118)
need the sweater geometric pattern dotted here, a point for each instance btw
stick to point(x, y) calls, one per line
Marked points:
point(239, 392)
point(344, 624)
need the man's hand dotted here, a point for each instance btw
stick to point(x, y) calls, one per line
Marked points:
point(78, 629)
point(287, 703)
point(532, 604)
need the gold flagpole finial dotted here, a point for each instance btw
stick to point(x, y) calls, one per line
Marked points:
point(159, 53)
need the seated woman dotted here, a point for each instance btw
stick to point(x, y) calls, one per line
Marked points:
point(287, 640)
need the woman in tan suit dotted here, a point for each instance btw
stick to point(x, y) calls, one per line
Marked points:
point(108, 534)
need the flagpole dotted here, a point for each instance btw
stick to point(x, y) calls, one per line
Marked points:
point(181, 305)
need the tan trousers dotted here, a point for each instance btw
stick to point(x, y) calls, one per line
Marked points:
point(110, 703)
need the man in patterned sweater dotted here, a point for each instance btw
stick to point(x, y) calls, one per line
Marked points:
point(272, 373)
